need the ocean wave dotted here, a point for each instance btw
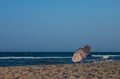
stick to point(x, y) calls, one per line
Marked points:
point(31, 57)
point(105, 55)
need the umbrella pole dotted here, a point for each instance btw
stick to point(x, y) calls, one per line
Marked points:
point(77, 65)
point(81, 62)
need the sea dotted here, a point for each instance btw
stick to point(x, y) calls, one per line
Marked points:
point(45, 58)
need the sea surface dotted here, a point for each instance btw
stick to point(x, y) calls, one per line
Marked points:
point(44, 58)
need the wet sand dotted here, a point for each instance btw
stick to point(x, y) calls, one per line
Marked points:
point(101, 70)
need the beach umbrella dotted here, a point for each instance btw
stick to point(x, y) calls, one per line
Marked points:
point(81, 53)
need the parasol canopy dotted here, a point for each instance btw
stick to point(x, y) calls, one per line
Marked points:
point(81, 53)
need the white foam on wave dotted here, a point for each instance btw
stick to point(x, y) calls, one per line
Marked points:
point(105, 55)
point(31, 57)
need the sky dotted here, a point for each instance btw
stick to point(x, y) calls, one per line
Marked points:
point(59, 25)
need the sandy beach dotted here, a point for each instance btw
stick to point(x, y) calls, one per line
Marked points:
point(101, 70)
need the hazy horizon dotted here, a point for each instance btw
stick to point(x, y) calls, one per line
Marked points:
point(59, 26)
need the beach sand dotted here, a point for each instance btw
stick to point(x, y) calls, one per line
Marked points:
point(101, 70)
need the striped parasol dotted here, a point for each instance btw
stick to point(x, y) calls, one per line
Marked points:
point(81, 53)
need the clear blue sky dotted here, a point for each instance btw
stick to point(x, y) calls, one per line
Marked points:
point(59, 25)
